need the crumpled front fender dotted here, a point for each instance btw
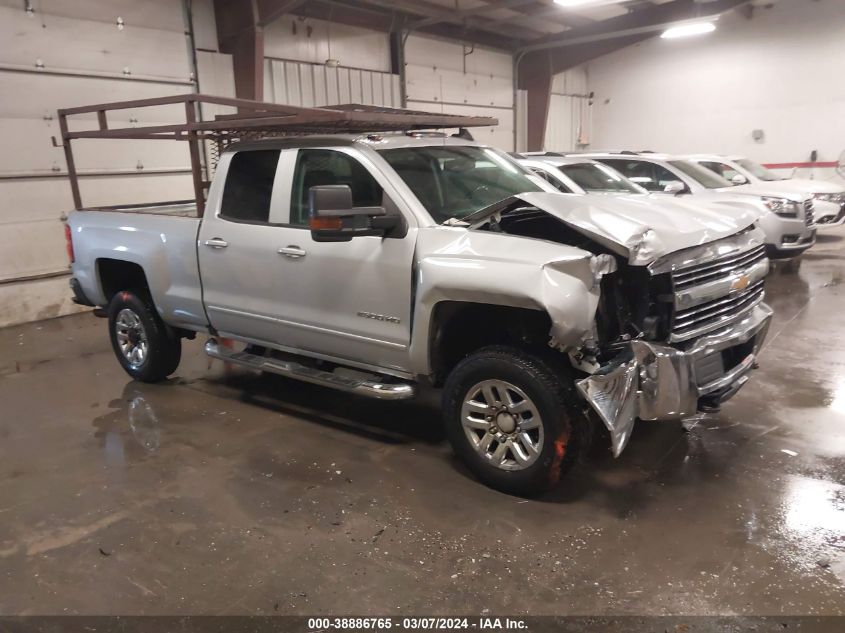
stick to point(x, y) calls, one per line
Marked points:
point(653, 381)
point(613, 395)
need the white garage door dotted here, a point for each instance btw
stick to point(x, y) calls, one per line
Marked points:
point(48, 61)
point(446, 77)
point(78, 53)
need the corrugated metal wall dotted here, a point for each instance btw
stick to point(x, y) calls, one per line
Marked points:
point(296, 73)
point(78, 52)
point(309, 84)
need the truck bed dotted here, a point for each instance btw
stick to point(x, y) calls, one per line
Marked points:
point(161, 239)
point(181, 208)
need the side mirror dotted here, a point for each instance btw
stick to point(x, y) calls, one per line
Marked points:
point(332, 218)
point(739, 179)
point(674, 187)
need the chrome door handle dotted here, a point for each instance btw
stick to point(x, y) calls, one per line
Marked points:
point(216, 242)
point(294, 252)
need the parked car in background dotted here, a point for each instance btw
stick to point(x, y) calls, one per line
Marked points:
point(786, 217)
point(580, 175)
point(744, 173)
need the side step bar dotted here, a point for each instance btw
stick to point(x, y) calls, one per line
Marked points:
point(371, 387)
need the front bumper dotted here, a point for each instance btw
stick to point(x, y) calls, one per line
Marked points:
point(657, 382)
point(791, 245)
point(786, 236)
point(829, 214)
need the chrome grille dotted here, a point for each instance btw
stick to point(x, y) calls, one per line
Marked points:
point(687, 323)
point(808, 212)
point(716, 269)
point(716, 284)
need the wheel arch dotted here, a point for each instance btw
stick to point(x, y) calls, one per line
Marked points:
point(114, 275)
point(457, 328)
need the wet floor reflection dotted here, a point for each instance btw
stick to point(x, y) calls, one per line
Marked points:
point(814, 522)
point(132, 428)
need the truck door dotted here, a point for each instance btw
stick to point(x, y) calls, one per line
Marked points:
point(237, 247)
point(347, 300)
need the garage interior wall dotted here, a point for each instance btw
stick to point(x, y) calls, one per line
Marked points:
point(446, 76)
point(79, 52)
point(440, 75)
point(296, 73)
point(779, 72)
point(64, 54)
point(569, 124)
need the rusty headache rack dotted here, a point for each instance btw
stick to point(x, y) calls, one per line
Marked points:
point(255, 119)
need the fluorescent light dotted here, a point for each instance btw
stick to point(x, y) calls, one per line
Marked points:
point(685, 30)
point(580, 3)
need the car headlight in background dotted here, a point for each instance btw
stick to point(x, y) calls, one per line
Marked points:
point(838, 198)
point(781, 206)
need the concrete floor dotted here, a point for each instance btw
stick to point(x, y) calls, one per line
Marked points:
point(243, 494)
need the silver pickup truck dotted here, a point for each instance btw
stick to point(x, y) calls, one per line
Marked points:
point(373, 263)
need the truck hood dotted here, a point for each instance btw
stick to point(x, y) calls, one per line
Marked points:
point(774, 189)
point(805, 186)
point(643, 228)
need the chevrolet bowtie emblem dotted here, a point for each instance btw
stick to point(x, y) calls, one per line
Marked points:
point(741, 282)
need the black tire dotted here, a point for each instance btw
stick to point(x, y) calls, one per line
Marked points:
point(163, 346)
point(547, 382)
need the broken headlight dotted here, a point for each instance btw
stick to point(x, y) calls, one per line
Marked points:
point(838, 198)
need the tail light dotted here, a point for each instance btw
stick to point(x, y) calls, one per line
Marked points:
point(69, 244)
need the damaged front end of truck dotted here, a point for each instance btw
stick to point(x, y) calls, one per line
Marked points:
point(679, 317)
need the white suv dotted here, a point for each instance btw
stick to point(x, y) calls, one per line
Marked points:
point(829, 197)
point(786, 217)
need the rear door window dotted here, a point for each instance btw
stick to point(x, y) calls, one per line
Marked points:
point(249, 186)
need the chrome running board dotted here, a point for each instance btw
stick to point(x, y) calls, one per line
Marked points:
point(371, 386)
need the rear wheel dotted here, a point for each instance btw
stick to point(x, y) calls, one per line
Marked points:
point(512, 416)
point(147, 349)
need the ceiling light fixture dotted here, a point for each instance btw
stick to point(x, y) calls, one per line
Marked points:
point(686, 30)
point(572, 4)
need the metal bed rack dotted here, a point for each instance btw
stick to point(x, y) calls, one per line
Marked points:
point(255, 119)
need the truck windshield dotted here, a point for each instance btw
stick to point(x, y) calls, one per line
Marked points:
point(757, 169)
point(453, 182)
point(701, 174)
point(595, 178)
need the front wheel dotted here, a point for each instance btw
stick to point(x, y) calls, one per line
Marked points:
point(147, 349)
point(512, 416)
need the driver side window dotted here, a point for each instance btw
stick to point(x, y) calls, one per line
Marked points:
point(554, 182)
point(639, 171)
point(724, 170)
point(316, 167)
point(664, 177)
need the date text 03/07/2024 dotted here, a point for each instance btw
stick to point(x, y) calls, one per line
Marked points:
point(413, 624)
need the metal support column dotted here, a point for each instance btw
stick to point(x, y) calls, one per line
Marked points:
point(71, 166)
point(196, 164)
